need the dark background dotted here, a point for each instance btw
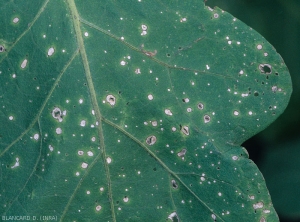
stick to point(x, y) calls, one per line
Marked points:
point(276, 150)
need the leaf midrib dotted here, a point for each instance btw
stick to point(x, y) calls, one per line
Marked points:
point(78, 32)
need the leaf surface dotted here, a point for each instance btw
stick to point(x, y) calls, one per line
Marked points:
point(134, 110)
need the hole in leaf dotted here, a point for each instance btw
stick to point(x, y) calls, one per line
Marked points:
point(2, 49)
point(265, 68)
point(182, 153)
point(151, 140)
point(185, 130)
point(174, 217)
point(174, 184)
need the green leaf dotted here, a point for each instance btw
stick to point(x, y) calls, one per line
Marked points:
point(133, 110)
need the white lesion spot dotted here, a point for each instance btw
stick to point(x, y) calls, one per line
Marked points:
point(51, 51)
point(84, 165)
point(234, 157)
point(144, 29)
point(58, 130)
point(108, 160)
point(173, 217)
point(111, 100)
point(125, 199)
point(86, 34)
point(90, 153)
point(183, 20)
point(200, 106)
point(123, 63)
point(151, 140)
point(16, 20)
point(24, 63)
point(16, 164)
point(51, 148)
point(36, 136)
point(98, 208)
point(82, 123)
point(214, 217)
point(258, 205)
point(137, 71)
point(236, 113)
point(10, 117)
point(185, 130)
point(259, 46)
point(206, 119)
point(216, 15)
point(80, 152)
point(181, 153)
point(150, 97)
point(168, 112)
point(58, 114)
point(154, 123)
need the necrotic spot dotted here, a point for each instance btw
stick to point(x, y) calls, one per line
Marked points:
point(151, 140)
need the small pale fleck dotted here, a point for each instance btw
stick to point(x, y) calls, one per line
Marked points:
point(58, 130)
point(93, 139)
point(189, 110)
point(207, 67)
point(123, 63)
point(50, 51)
point(125, 199)
point(183, 20)
point(213, 217)
point(14, 76)
point(250, 113)
point(101, 189)
point(229, 42)
point(236, 113)
point(11, 118)
point(84, 165)
point(219, 194)
point(86, 34)
point(77, 173)
point(173, 129)
point(216, 15)
point(80, 101)
point(24, 64)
